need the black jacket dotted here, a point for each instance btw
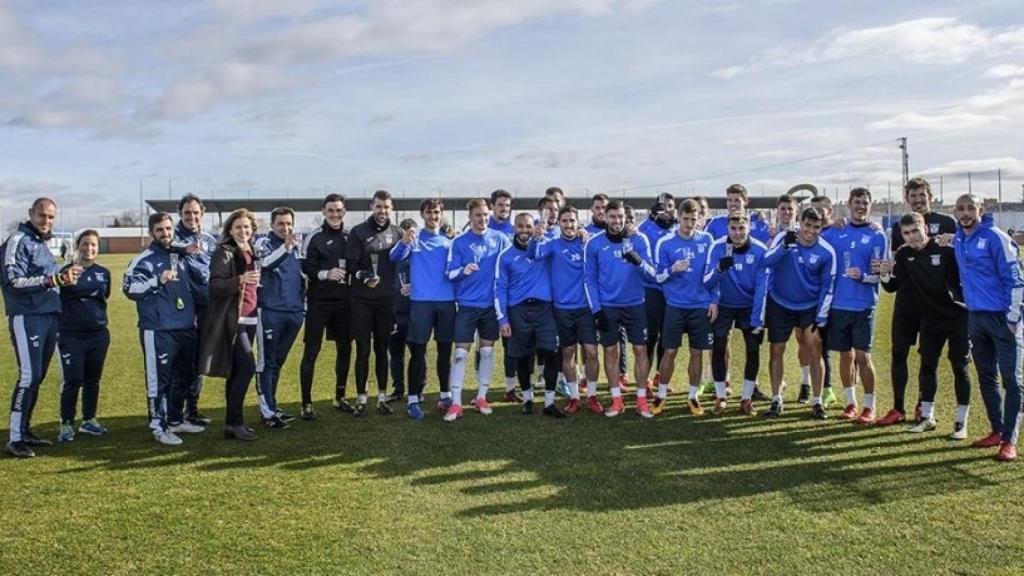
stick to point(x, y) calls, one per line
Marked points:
point(321, 251)
point(369, 242)
point(931, 279)
point(936, 223)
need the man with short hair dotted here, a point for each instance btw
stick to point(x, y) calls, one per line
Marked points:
point(327, 303)
point(30, 285)
point(501, 213)
point(990, 272)
point(660, 223)
point(597, 206)
point(163, 288)
point(829, 231)
point(399, 339)
point(736, 201)
point(785, 216)
point(800, 291)
point(281, 302)
point(930, 273)
point(372, 296)
point(472, 261)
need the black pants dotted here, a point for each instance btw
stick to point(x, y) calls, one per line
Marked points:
point(81, 357)
point(524, 370)
point(396, 356)
point(418, 366)
point(933, 336)
point(332, 316)
point(371, 322)
point(752, 365)
point(654, 306)
point(243, 367)
point(905, 328)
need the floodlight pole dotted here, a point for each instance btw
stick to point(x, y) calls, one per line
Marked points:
point(906, 160)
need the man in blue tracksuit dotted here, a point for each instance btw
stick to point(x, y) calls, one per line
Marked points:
point(472, 261)
point(281, 308)
point(197, 247)
point(30, 286)
point(660, 223)
point(736, 201)
point(681, 260)
point(432, 303)
point(738, 283)
point(990, 273)
point(860, 247)
point(614, 264)
point(501, 221)
point(598, 204)
point(802, 270)
point(162, 286)
point(522, 300)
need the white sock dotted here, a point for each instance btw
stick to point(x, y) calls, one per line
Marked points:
point(869, 401)
point(361, 399)
point(528, 395)
point(616, 392)
point(591, 389)
point(510, 384)
point(748, 389)
point(412, 399)
point(549, 398)
point(382, 397)
point(927, 409)
point(851, 395)
point(720, 389)
point(457, 374)
point(777, 398)
point(444, 395)
point(483, 375)
point(662, 390)
point(692, 394)
point(962, 411)
point(574, 390)
point(561, 377)
point(816, 401)
point(641, 392)
point(805, 375)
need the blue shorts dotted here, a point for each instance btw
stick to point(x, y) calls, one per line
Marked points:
point(469, 321)
point(425, 317)
point(851, 330)
point(533, 328)
point(729, 317)
point(631, 318)
point(575, 326)
point(781, 320)
point(693, 322)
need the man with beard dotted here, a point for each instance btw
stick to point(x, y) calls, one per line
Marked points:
point(501, 213)
point(659, 224)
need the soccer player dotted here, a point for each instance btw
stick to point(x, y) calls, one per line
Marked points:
point(929, 272)
point(802, 270)
point(432, 303)
point(862, 247)
point(472, 260)
point(614, 265)
point(197, 247)
point(572, 314)
point(30, 286)
point(83, 338)
point(738, 283)
point(990, 272)
point(736, 201)
point(523, 307)
point(598, 203)
point(829, 231)
point(281, 306)
point(399, 339)
point(659, 224)
point(501, 213)
point(785, 213)
point(680, 260)
point(162, 287)
point(906, 317)
point(327, 303)
point(702, 216)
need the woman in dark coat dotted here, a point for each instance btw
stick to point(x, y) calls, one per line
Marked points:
point(228, 327)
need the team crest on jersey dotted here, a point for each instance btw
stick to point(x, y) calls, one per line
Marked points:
point(865, 239)
point(936, 259)
point(814, 259)
point(388, 238)
point(933, 228)
point(700, 248)
point(750, 258)
point(98, 276)
point(982, 243)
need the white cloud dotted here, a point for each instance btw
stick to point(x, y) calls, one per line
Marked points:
point(729, 72)
point(939, 122)
point(1003, 71)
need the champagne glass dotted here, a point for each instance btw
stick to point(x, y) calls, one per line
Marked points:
point(257, 265)
point(847, 261)
point(342, 264)
point(174, 266)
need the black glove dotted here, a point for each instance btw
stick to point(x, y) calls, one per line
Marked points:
point(790, 238)
point(633, 257)
point(601, 321)
point(726, 263)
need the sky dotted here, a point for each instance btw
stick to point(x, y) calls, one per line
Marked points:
point(235, 98)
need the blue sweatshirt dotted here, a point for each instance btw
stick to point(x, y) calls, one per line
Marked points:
point(518, 278)
point(27, 284)
point(85, 303)
point(199, 262)
point(428, 262)
point(593, 228)
point(654, 233)
point(477, 289)
point(506, 227)
point(718, 227)
point(158, 304)
point(565, 259)
point(802, 277)
point(609, 280)
point(745, 284)
point(990, 272)
point(857, 244)
point(684, 289)
point(284, 289)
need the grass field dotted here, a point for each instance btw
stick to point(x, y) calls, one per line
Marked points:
point(506, 493)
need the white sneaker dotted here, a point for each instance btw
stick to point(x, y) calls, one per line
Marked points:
point(186, 428)
point(167, 438)
point(922, 426)
point(959, 431)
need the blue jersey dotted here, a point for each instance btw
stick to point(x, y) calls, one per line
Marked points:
point(428, 261)
point(519, 277)
point(166, 306)
point(477, 289)
point(990, 271)
point(506, 227)
point(745, 284)
point(85, 303)
point(684, 289)
point(654, 233)
point(199, 262)
point(28, 282)
point(609, 280)
point(283, 288)
point(593, 228)
point(718, 227)
point(855, 246)
point(802, 277)
point(565, 259)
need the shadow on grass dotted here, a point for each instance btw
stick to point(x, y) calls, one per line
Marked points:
point(515, 463)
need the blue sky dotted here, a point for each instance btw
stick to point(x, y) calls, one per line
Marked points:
point(228, 98)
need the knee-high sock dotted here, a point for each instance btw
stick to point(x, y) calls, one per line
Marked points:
point(483, 376)
point(458, 373)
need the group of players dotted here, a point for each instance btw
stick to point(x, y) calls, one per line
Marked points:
point(553, 288)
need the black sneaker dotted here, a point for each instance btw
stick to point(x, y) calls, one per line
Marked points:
point(805, 394)
point(774, 411)
point(19, 450)
point(360, 410)
point(818, 412)
point(198, 418)
point(275, 422)
point(553, 411)
point(307, 413)
point(396, 395)
point(30, 439)
point(760, 396)
point(344, 406)
point(384, 409)
point(528, 407)
point(286, 417)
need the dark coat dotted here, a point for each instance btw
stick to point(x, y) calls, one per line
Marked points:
point(219, 325)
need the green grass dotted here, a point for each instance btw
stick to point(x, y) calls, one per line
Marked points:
point(506, 493)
